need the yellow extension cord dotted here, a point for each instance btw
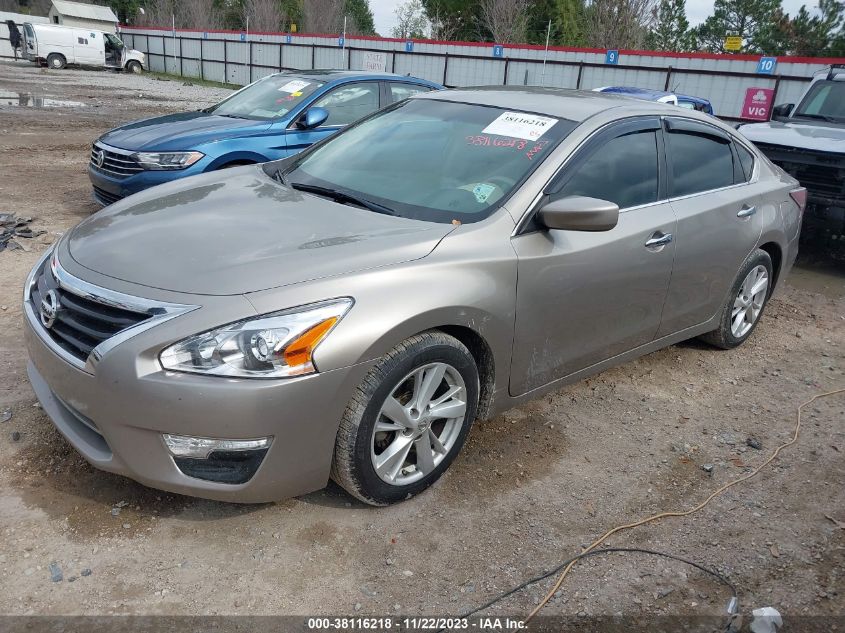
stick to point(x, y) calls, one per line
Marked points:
point(683, 513)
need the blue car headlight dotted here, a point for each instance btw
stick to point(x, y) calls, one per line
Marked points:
point(167, 160)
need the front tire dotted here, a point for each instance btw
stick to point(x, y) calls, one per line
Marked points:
point(748, 297)
point(56, 61)
point(134, 67)
point(408, 419)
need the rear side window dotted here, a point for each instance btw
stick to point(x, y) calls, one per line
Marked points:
point(398, 92)
point(699, 163)
point(746, 159)
point(623, 170)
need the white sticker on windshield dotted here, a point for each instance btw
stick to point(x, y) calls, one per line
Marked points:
point(520, 125)
point(482, 191)
point(294, 85)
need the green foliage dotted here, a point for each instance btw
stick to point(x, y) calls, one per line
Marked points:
point(453, 19)
point(360, 12)
point(671, 31)
point(750, 19)
point(569, 22)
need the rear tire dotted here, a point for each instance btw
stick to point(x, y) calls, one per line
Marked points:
point(749, 295)
point(391, 443)
point(56, 61)
point(134, 67)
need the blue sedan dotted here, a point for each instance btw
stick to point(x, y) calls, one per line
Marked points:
point(272, 118)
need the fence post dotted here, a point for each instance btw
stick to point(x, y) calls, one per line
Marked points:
point(250, 60)
point(580, 72)
point(225, 61)
point(445, 67)
point(393, 62)
point(348, 58)
point(507, 64)
point(202, 62)
point(668, 79)
point(181, 59)
point(774, 95)
point(281, 56)
point(313, 56)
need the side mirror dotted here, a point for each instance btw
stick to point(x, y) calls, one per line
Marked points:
point(579, 213)
point(312, 117)
point(782, 111)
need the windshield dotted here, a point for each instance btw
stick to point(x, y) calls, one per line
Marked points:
point(114, 40)
point(825, 100)
point(433, 160)
point(267, 98)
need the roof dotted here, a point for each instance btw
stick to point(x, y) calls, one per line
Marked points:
point(86, 11)
point(331, 75)
point(564, 103)
point(639, 93)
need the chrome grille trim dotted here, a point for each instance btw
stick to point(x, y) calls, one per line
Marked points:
point(159, 311)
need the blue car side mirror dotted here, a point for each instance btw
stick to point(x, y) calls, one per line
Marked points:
point(313, 117)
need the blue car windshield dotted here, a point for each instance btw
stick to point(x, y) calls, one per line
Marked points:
point(431, 160)
point(268, 98)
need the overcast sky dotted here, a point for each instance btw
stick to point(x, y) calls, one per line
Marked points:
point(697, 11)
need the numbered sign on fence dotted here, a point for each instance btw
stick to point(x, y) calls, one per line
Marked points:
point(498, 50)
point(611, 57)
point(409, 47)
point(766, 65)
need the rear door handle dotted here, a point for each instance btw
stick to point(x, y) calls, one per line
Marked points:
point(746, 211)
point(658, 239)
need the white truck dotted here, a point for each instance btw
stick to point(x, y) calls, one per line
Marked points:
point(57, 46)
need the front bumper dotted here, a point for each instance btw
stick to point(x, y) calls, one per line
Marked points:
point(109, 189)
point(115, 412)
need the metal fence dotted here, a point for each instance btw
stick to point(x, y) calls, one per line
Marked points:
point(241, 58)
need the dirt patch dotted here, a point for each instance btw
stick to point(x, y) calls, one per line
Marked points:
point(531, 487)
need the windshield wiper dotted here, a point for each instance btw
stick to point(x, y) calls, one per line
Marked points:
point(822, 117)
point(234, 116)
point(342, 196)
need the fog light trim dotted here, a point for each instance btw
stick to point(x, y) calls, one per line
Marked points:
point(202, 447)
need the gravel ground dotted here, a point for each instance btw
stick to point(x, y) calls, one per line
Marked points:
point(531, 487)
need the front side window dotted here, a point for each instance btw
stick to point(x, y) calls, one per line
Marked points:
point(268, 98)
point(398, 92)
point(699, 162)
point(349, 103)
point(825, 100)
point(624, 170)
point(431, 160)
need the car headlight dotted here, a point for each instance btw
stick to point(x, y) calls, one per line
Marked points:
point(276, 345)
point(167, 160)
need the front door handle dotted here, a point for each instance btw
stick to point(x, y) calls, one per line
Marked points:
point(746, 211)
point(658, 239)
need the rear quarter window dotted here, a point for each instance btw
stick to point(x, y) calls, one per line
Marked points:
point(699, 163)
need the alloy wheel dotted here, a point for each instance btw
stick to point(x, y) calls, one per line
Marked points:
point(749, 301)
point(418, 424)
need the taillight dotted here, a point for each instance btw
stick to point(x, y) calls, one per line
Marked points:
point(800, 197)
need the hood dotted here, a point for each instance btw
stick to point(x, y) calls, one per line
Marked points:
point(239, 231)
point(182, 131)
point(812, 135)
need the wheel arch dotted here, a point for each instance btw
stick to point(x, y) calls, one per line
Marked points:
point(775, 252)
point(235, 158)
point(484, 361)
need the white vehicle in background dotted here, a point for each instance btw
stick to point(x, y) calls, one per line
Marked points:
point(57, 46)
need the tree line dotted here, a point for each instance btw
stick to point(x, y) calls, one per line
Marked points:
point(272, 16)
point(763, 25)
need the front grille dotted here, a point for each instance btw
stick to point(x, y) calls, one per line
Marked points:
point(106, 197)
point(114, 164)
point(81, 323)
point(822, 173)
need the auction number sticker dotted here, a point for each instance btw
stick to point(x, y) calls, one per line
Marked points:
point(296, 85)
point(520, 125)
